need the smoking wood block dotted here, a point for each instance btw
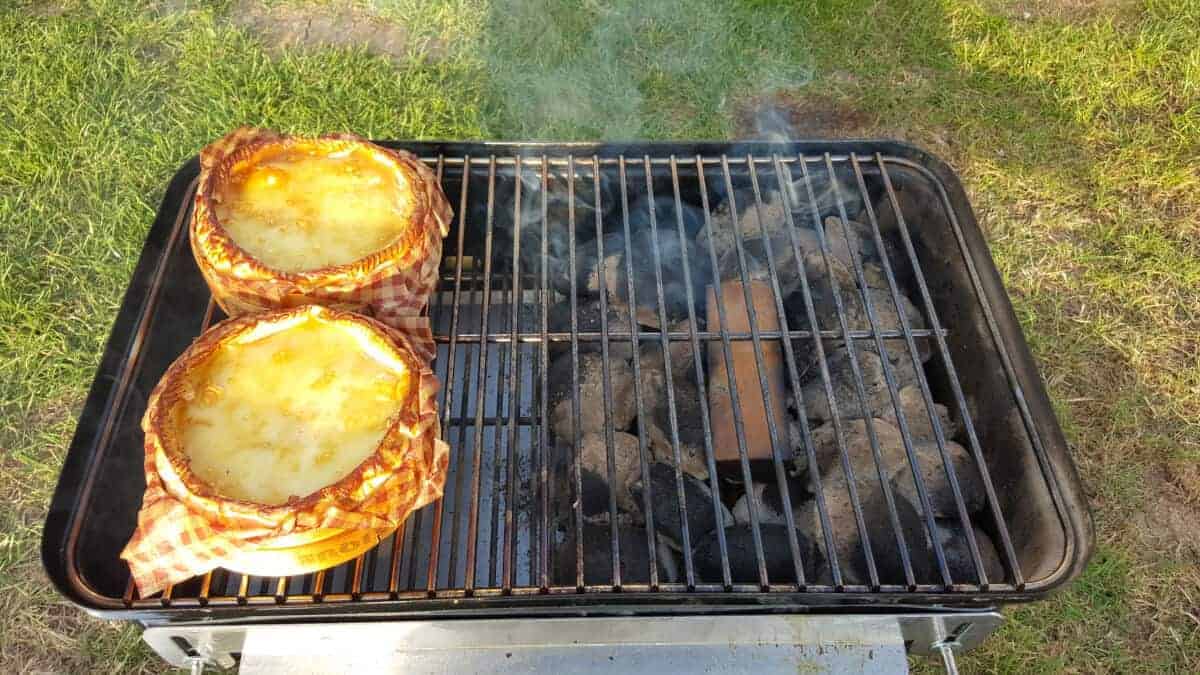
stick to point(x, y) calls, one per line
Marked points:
point(745, 373)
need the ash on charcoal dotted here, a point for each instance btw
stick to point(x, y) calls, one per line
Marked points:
point(820, 267)
point(958, 552)
point(743, 560)
point(594, 494)
point(919, 204)
point(692, 458)
point(858, 448)
point(882, 304)
point(558, 249)
point(845, 392)
point(818, 192)
point(895, 464)
point(665, 502)
point(916, 415)
point(682, 364)
point(847, 538)
point(853, 240)
point(588, 321)
point(797, 456)
point(641, 266)
point(559, 243)
point(769, 499)
point(687, 407)
point(616, 272)
point(777, 248)
point(719, 235)
point(592, 417)
point(598, 559)
point(593, 457)
point(937, 485)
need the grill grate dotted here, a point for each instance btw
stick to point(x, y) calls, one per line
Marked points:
point(540, 236)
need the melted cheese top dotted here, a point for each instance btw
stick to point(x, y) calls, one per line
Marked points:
point(289, 413)
point(302, 210)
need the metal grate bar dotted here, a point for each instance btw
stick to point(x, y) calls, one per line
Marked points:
point(502, 405)
point(676, 336)
point(810, 451)
point(668, 378)
point(638, 394)
point(790, 360)
point(544, 394)
point(827, 381)
point(760, 361)
point(889, 378)
point(927, 398)
point(606, 387)
point(567, 160)
point(576, 423)
point(460, 446)
point(698, 372)
point(481, 375)
point(462, 423)
point(514, 379)
point(727, 352)
point(944, 352)
point(435, 315)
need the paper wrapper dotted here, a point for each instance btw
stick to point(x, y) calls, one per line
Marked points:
point(391, 283)
point(186, 529)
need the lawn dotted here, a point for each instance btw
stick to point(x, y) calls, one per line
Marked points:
point(1075, 125)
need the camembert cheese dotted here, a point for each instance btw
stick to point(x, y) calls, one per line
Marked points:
point(302, 209)
point(289, 408)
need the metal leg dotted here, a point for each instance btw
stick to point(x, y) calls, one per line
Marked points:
point(947, 651)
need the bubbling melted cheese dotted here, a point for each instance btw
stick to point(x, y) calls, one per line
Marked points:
point(302, 210)
point(290, 413)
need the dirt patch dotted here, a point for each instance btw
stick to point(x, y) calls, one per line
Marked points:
point(54, 412)
point(797, 115)
point(1171, 520)
point(334, 25)
point(1186, 474)
point(48, 10)
point(1062, 10)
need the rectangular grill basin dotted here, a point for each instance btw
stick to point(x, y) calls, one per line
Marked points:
point(549, 244)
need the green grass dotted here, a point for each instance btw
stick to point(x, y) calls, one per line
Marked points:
point(1076, 131)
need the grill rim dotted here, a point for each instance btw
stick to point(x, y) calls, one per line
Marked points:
point(129, 331)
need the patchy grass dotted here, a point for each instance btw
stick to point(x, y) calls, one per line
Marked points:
point(1075, 126)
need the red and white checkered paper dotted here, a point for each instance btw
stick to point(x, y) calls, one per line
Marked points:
point(176, 540)
point(389, 284)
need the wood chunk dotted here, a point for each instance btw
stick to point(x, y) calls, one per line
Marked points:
point(745, 375)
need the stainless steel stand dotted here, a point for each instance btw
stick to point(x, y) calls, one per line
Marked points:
point(864, 643)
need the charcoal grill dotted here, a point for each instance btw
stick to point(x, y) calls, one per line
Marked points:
point(534, 228)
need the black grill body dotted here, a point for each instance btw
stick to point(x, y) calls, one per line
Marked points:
point(560, 253)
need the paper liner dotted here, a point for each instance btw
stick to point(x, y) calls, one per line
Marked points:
point(391, 283)
point(185, 528)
